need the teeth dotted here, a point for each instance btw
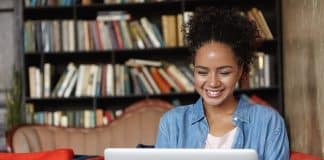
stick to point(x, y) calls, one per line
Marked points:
point(212, 93)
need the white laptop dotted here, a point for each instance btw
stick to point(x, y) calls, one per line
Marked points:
point(179, 154)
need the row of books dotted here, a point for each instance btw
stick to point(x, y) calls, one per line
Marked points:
point(115, 30)
point(74, 118)
point(94, 118)
point(110, 30)
point(261, 72)
point(135, 77)
point(39, 3)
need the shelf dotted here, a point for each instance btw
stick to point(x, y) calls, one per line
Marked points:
point(135, 9)
point(52, 102)
point(32, 59)
point(121, 55)
point(52, 12)
point(169, 54)
point(246, 4)
point(122, 100)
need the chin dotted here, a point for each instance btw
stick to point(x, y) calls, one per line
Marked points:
point(213, 101)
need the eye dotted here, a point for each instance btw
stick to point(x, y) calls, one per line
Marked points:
point(225, 73)
point(202, 73)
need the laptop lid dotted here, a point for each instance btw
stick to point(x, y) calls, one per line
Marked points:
point(179, 154)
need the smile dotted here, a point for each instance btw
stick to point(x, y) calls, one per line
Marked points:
point(213, 93)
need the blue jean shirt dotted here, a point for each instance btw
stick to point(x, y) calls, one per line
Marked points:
point(260, 128)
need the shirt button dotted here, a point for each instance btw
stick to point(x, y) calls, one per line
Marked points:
point(235, 118)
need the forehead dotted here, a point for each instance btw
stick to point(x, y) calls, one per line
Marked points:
point(215, 54)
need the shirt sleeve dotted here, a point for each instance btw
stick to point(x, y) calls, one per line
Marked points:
point(277, 147)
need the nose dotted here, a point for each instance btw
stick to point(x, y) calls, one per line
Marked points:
point(214, 81)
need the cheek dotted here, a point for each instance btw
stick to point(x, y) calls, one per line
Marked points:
point(230, 81)
point(198, 80)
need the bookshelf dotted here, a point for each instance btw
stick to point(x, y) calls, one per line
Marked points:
point(178, 55)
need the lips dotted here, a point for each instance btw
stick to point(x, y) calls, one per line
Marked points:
point(213, 93)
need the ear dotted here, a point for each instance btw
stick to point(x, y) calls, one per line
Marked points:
point(241, 74)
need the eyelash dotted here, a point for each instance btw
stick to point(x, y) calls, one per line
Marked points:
point(225, 73)
point(205, 73)
point(202, 73)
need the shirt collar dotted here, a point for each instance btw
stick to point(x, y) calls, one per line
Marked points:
point(240, 114)
point(197, 111)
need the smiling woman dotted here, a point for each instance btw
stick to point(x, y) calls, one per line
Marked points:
point(223, 43)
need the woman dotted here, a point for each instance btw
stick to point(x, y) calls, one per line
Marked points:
point(223, 43)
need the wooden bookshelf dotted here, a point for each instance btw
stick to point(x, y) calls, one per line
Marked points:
point(178, 55)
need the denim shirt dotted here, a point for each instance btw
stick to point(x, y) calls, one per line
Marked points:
point(260, 128)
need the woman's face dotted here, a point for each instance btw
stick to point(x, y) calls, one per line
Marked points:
point(216, 72)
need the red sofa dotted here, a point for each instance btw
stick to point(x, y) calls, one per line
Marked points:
point(57, 154)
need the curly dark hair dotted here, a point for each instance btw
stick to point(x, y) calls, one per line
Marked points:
point(225, 25)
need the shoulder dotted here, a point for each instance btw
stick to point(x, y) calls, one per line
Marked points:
point(266, 115)
point(177, 113)
point(256, 113)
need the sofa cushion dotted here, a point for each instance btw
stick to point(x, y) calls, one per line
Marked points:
point(57, 154)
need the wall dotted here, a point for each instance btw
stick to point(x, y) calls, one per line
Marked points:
point(303, 47)
point(8, 55)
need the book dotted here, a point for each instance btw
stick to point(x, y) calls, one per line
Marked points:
point(71, 68)
point(118, 34)
point(187, 73)
point(172, 83)
point(137, 40)
point(259, 18)
point(149, 31)
point(128, 43)
point(104, 80)
point(47, 79)
point(162, 84)
point(110, 80)
point(150, 80)
point(145, 83)
point(142, 62)
point(112, 16)
point(99, 117)
point(180, 78)
point(38, 83)
point(118, 79)
point(97, 88)
point(71, 85)
point(32, 80)
point(141, 33)
point(180, 34)
point(29, 38)
point(79, 83)
point(252, 18)
point(127, 81)
point(135, 82)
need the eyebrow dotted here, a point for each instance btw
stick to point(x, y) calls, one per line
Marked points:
point(206, 68)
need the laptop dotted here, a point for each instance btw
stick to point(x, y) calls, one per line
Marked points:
point(179, 154)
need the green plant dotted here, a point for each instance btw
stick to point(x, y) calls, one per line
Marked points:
point(14, 101)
